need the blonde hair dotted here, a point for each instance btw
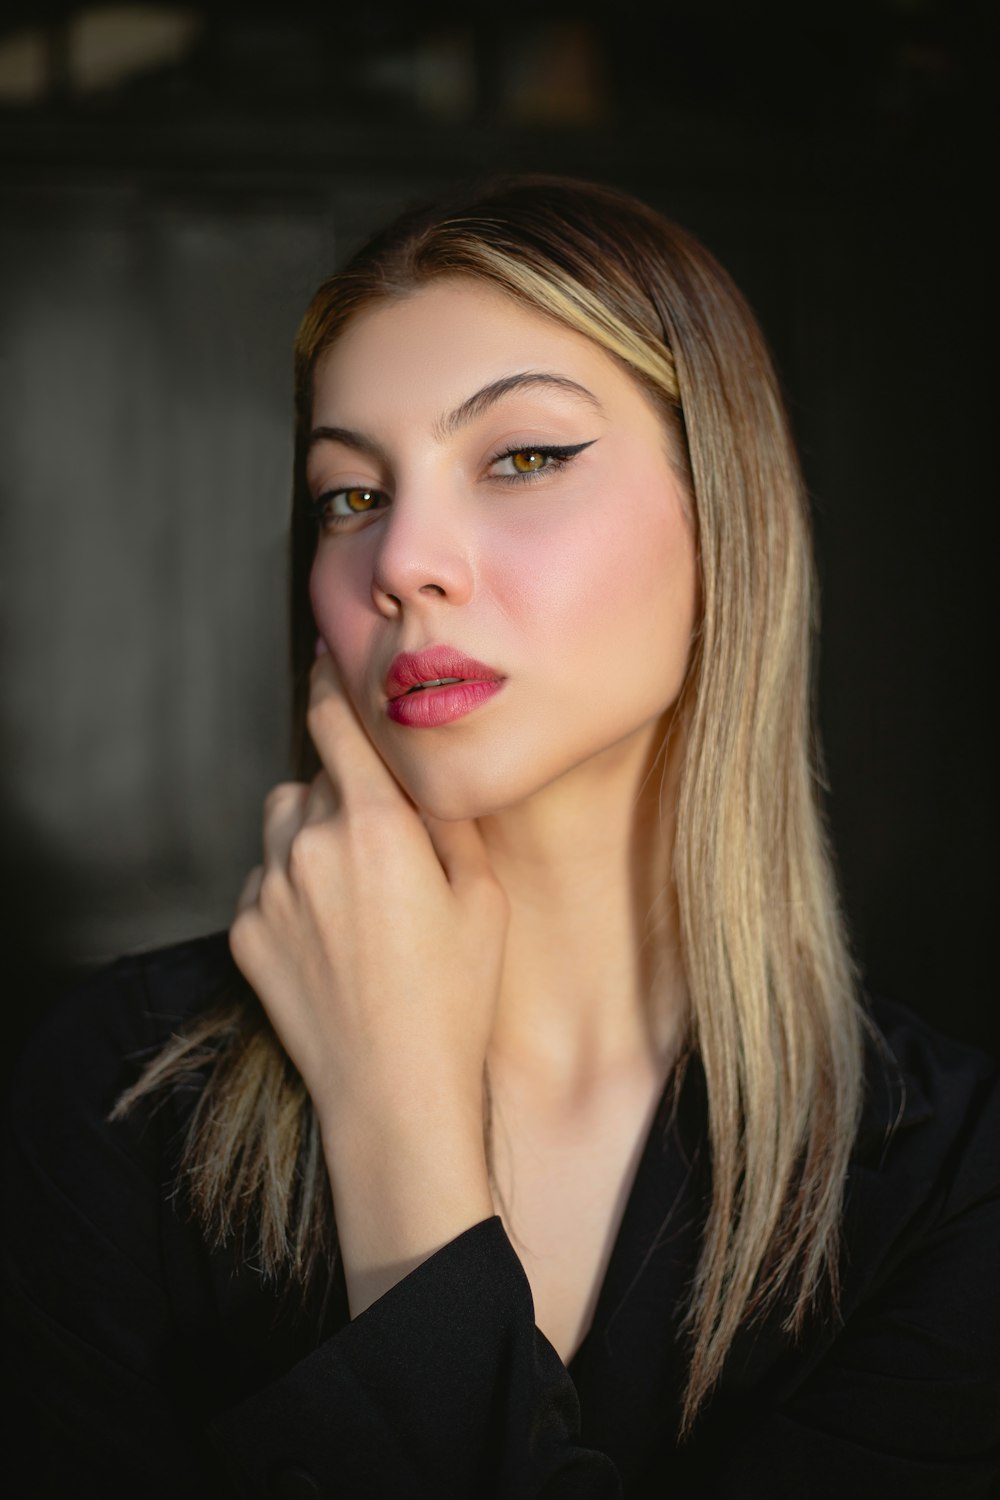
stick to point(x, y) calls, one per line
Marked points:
point(773, 1012)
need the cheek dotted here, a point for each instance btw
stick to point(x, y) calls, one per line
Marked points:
point(341, 609)
point(596, 573)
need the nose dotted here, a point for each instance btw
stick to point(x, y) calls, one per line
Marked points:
point(422, 555)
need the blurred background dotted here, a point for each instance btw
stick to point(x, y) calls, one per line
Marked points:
point(176, 179)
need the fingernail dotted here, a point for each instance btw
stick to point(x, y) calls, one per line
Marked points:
point(321, 646)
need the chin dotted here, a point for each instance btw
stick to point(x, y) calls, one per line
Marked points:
point(453, 803)
point(446, 788)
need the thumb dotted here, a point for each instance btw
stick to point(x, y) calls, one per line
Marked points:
point(460, 847)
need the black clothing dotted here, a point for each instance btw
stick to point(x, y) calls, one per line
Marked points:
point(163, 1367)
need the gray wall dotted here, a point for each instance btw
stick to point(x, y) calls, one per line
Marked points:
point(146, 341)
point(151, 280)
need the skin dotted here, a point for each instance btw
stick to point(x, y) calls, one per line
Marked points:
point(490, 891)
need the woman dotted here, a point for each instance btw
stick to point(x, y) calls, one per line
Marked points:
point(528, 1137)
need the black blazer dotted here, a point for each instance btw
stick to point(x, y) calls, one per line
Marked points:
point(156, 1365)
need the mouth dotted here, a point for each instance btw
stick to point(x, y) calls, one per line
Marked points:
point(421, 687)
point(436, 667)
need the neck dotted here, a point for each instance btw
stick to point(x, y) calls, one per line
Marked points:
point(592, 983)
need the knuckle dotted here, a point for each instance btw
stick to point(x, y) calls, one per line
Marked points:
point(321, 714)
point(285, 794)
point(272, 884)
point(307, 853)
point(243, 939)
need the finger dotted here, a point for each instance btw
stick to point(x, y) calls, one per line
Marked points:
point(322, 802)
point(250, 889)
point(284, 810)
point(349, 758)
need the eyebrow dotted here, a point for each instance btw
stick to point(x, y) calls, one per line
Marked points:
point(490, 394)
point(474, 406)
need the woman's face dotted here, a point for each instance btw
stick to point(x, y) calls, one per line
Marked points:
point(492, 482)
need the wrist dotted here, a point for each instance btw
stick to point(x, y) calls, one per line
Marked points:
point(404, 1105)
point(408, 1174)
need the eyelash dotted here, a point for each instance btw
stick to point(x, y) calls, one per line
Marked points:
point(557, 458)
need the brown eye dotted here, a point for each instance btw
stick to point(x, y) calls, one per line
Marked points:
point(525, 463)
point(336, 508)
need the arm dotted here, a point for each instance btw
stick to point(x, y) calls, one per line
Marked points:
point(376, 949)
point(375, 940)
point(110, 1324)
point(441, 1387)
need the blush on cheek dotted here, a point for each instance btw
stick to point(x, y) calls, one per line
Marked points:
point(317, 599)
point(342, 626)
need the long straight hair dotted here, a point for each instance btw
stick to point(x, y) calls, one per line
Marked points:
point(773, 1014)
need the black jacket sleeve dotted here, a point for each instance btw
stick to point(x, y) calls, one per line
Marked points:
point(442, 1387)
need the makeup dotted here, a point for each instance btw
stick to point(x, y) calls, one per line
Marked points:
point(547, 535)
point(427, 688)
point(428, 707)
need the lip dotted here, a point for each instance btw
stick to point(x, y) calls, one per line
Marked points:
point(410, 668)
point(434, 706)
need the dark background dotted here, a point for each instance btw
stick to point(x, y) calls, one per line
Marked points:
point(176, 179)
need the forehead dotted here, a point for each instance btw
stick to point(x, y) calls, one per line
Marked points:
point(435, 344)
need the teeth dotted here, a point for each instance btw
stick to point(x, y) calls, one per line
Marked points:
point(435, 682)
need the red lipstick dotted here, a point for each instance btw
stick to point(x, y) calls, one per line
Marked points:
point(427, 688)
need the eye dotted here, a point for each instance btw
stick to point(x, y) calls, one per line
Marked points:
point(528, 460)
point(339, 507)
point(525, 463)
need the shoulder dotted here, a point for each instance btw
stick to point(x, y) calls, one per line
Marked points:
point(101, 1276)
point(931, 1114)
point(898, 1392)
point(922, 1226)
point(94, 1042)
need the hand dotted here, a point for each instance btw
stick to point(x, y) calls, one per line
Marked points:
point(374, 938)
